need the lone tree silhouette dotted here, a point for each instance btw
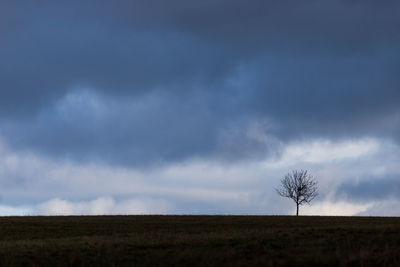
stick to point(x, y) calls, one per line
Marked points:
point(299, 186)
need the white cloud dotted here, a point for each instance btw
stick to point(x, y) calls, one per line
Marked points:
point(101, 206)
point(339, 208)
point(33, 184)
point(325, 151)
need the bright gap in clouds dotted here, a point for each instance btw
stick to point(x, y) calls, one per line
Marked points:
point(326, 151)
point(32, 184)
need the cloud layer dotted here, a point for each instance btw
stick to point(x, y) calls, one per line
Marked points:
point(145, 86)
point(33, 184)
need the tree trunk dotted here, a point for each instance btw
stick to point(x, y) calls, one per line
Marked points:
point(297, 210)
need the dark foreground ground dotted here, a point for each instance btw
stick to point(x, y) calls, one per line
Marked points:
point(200, 241)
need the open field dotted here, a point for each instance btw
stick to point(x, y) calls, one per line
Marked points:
point(199, 240)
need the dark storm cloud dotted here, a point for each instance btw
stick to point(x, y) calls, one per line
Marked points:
point(202, 68)
point(375, 188)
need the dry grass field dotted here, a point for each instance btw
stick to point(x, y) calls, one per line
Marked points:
point(199, 241)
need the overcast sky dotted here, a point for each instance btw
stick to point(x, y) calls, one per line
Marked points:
point(198, 107)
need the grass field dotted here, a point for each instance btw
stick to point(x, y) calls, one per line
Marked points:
point(199, 240)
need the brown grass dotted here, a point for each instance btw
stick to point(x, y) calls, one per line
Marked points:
point(200, 241)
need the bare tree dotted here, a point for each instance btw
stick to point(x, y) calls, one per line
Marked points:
point(299, 186)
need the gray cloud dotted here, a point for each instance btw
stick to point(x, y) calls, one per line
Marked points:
point(138, 82)
point(376, 188)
